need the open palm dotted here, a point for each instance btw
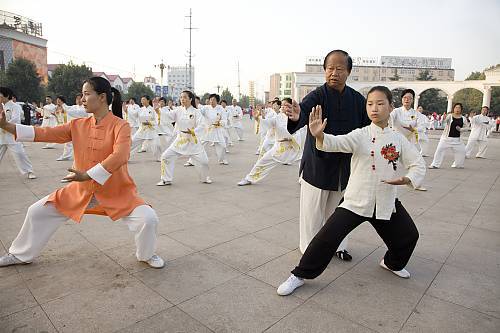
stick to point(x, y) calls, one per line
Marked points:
point(316, 123)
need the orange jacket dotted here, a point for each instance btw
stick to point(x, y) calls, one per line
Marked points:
point(107, 143)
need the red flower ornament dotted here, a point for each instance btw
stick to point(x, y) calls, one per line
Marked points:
point(390, 153)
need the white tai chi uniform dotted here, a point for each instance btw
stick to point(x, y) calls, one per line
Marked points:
point(49, 120)
point(401, 118)
point(268, 140)
point(165, 128)
point(235, 120)
point(286, 149)
point(215, 121)
point(450, 142)
point(133, 118)
point(72, 112)
point(226, 127)
point(7, 140)
point(147, 132)
point(185, 144)
point(480, 127)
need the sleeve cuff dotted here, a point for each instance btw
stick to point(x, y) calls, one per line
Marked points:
point(319, 144)
point(25, 133)
point(99, 174)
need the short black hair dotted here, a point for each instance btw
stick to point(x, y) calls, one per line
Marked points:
point(406, 91)
point(224, 101)
point(133, 98)
point(6, 92)
point(62, 98)
point(217, 97)
point(461, 106)
point(14, 96)
point(386, 91)
point(349, 59)
point(163, 99)
point(48, 96)
point(197, 98)
point(277, 101)
point(288, 100)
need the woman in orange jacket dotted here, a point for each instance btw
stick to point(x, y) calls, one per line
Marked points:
point(99, 179)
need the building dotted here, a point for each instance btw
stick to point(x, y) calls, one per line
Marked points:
point(365, 69)
point(179, 79)
point(21, 37)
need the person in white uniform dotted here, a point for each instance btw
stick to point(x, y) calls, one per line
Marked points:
point(49, 118)
point(188, 126)
point(423, 139)
point(132, 115)
point(148, 130)
point(215, 121)
point(236, 119)
point(480, 130)
point(265, 122)
point(165, 124)
point(7, 141)
point(286, 150)
point(72, 112)
point(227, 126)
point(454, 124)
point(378, 151)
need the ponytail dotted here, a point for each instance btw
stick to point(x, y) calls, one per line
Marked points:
point(116, 104)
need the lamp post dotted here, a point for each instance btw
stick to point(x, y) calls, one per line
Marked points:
point(161, 66)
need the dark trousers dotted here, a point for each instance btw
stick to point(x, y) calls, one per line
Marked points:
point(399, 234)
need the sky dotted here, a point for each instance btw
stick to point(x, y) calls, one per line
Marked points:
point(265, 36)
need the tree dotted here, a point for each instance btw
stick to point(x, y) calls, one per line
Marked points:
point(472, 99)
point(137, 90)
point(204, 98)
point(396, 77)
point(226, 95)
point(425, 75)
point(22, 78)
point(67, 80)
point(433, 100)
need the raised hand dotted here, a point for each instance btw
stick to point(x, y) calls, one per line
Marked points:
point(316, 123)
point(3, 117)
point(293, 113)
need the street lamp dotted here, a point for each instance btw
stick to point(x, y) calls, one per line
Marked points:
point(162, 66)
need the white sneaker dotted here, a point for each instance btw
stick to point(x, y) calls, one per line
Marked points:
point(244, 182)
point(421, 188)
point(10, 259)
point(402, 273)
point(155, 261)
point(224, 162)
point(164, 183)
point(287, 287)
point(62, 159)
point(432, 167)
point(208, 181)
point(31, 175)
point(188, 164)
point(64, 181)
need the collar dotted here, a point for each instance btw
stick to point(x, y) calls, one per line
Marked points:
point(106, 119)
point(407, 110)
point(376, 130)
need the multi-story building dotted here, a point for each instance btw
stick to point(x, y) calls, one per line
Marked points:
point(21, 37)
point(179, 78)
point(365, 69)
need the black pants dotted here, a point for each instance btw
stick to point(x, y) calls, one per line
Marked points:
point(399, 234)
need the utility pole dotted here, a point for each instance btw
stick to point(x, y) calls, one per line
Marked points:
point(190, 54)
point(218, 88)
point(239, 86)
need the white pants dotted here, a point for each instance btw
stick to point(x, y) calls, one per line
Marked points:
point(316, 206)
point(227, 137)
point(43, 219)
point(22, 161)
point(449, 143)
point(67, 153)
point(239, 132)
point(471, 145)
point(422, 147)
point(169, 157)
point(262, 167)
point(154, 146)
point(220, 150)
point(165, 141)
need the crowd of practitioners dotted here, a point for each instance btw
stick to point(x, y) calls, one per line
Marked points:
point(353, 153)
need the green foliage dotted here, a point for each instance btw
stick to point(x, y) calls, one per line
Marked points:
point(425, 75)
point(433, 100)
point(137, 90)
point(22, 78)
point(472, 99)
point(226, 94)
point(67, 80)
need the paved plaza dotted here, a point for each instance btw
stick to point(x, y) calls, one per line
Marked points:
point(227, 249)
